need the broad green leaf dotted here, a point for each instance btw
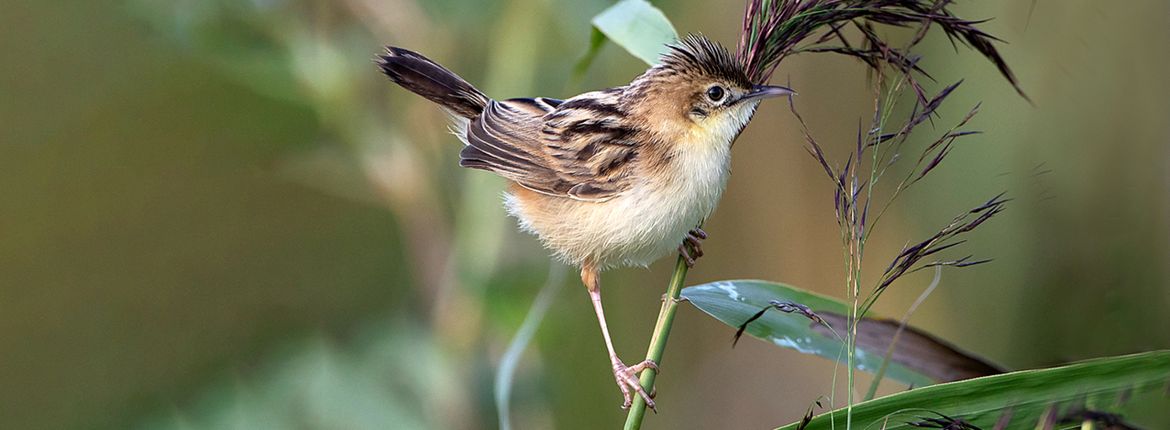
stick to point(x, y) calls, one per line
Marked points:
point(1021, 397)
point(919, 360)
point(637, 26)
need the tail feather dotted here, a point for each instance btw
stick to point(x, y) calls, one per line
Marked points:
point(426, 78)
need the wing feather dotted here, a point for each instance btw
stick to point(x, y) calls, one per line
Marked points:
point(575, 149)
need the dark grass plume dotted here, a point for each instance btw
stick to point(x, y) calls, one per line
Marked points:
point(808, 415)
point(775, 29)
point(911, 256)
point(872, 155)
point(786, 307)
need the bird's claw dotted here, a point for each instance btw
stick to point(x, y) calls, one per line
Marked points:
point(692, 247)
point(627, 379)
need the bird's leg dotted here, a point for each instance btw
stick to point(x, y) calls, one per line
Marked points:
point(692, 247)
point(626, 376)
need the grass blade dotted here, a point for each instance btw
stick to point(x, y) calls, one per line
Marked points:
point(1024, 397)
point(920, 359)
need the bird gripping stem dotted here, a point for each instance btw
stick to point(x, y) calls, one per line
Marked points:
point(658, 341)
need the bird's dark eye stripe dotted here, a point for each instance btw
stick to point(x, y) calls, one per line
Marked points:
point(715, 93)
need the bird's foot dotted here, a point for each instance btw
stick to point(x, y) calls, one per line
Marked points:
point(692, 247)
point(627, 380)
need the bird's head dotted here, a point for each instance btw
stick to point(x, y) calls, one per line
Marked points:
point(699, 89)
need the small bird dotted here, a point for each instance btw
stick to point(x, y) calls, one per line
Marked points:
point(609, 178)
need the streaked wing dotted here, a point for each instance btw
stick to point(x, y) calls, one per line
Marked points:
point(588, 142)
point(505, 139)
point(573, 149)
point(538, 106)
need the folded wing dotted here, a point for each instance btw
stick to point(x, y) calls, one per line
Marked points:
point(574, 149)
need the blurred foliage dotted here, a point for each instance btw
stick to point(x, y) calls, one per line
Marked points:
point(219, 214)
point(387, 375)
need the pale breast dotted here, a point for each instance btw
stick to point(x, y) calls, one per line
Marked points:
point(637, 227)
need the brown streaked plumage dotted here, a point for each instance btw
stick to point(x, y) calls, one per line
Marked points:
point(607, 178)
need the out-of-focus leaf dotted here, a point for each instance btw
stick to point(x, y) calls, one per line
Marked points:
point(596, 41)
point(919, 359)
point(916, 349)
point(384, 377)
point(1020, 398)
point(232, 37)
point(332, 171)
point(637, 26)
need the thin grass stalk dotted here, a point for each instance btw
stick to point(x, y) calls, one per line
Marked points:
point(658, 341)
point(881, 372)
point(511, 358)
point(857, 250)
point(858, 233)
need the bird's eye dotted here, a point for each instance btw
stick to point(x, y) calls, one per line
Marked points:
point(715, 93)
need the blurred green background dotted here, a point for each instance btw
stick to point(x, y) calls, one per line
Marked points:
point(218, 214)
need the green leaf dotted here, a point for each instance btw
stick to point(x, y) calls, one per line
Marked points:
point(596, 41)
point(637, 26)
point(1022, 397)
point(920, 359)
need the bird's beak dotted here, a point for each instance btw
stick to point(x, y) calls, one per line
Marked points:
point(765, 92)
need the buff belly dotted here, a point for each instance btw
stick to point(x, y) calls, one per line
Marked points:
point(632, 229)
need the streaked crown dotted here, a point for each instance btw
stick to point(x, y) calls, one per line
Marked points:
point(698, 55)
point(698, 89)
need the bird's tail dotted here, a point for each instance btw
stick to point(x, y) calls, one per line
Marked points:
point(426, 78)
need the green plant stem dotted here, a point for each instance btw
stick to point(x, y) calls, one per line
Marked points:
point(658, 341)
